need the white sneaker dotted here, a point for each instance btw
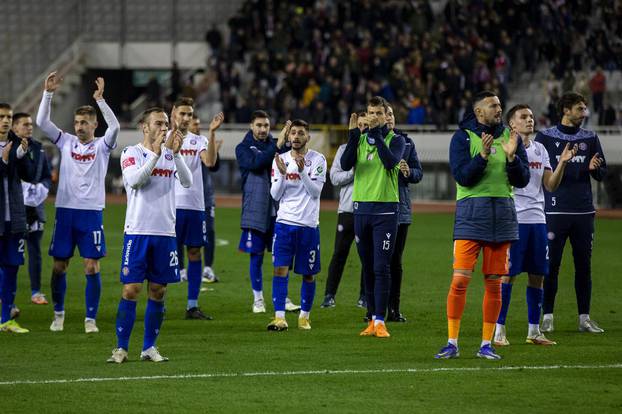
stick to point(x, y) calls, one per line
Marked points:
point(259, 306)
point(58, 324)
point(119, 356)
point(183, 275)
point(290, 306)
point(547, 324)
point(152, 354)
point(500, 336)
point(208, 275)
point(90, 326)
point(589, 325)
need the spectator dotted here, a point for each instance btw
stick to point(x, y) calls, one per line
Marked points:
point(598, 87)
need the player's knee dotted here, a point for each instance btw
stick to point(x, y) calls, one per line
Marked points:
point(131, 291)
point(91, 266)
point(308, 278)
point(507, 279)
point(281, 271)
point(194, 254)
point(157, 292)
point(535, 281)
point(60, 266)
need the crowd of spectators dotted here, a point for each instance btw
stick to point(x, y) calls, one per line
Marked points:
point(321, 60)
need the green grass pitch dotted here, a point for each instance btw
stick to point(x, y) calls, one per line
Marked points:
point(232, 364)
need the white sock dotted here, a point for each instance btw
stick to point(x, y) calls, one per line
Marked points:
point(258, 294)
point(373, 317)
point(484, 343)
point(89, 320)
point(378, 322)
point(584, 317)
point(60, 314)
point(453, 341)
point(279, 314)
point(547, 317)
point(304, 314)
point(534, 330)
point(499, 328)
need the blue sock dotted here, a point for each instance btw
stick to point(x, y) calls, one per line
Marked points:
point(9, 287)
point(126, 315)
point(59, 287)
point(534, 304)
point(506, 294)
point(255, 271)
point(92, 294)
point(382, 287)
point(307, 294)
point(194, 283)
point(154, 315)
point(279, 292)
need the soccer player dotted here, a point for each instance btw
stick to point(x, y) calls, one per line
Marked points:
point(190, 224)
point(530, 252)
point(486, 160)
point(255, 155)
point(80, 198)
point(35, 194)
point(297, 180)
point(569, 209)
point(150, 170)
point(375, 157)
point(16, 165)
point(344, 235)
point(410, 172)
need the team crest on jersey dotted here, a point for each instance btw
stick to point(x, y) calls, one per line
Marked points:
point(168, 157)
point(125, 270)
point(493, 150)
point(193, 142)
point(583, 146)
point(308, 163)
point(536, 150)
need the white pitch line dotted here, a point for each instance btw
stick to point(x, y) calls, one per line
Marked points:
point(315, 373)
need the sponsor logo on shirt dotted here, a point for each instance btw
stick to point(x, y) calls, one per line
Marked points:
point(191, 152)
point(576, 159)
point(127, 162)
point(161, 172)
point(82, 157)
point(292, 176)
point(536, 165)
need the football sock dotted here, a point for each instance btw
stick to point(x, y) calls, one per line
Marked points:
point(194, 282)
point(534, 304)
point(279, 292)
point(456, 299)
point(126, 315)
point(9, 287)
point(490, 307)
point(304, 314)
point(258, 294)
point(534, 329)
point(255, 272)
point(59, 287)
point(378, 321)
point(154, 315)
point(382, 287)
point(92, 294)
point(506, 294)
point(307, 294)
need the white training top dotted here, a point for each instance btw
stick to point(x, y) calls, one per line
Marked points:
point(83, 167)
point(529, 201)
point(192, 198)
point(298, 194)
point(149, 182)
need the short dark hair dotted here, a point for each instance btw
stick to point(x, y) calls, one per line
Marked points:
point(513, 110)
point(361, 113)
point(85, 110)
point(184, 101)
point(20, 115)
point(4, 105)
point(259, 114)
point(145, 115)
point(480, 96)
point(378, 101)
point(301, 123)
point(195, 116)
point(568, 100)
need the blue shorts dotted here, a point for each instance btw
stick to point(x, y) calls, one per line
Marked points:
point(530, 253)
point(255, 241)
point(298, 245)
point(149, 257)
point(11, 247)
point(78, 227)
point(191, 228)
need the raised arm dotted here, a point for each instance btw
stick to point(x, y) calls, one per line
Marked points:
point(210, 156)
point(110, 137)
point(255, 160)
point(391, 155)
point(43, 115)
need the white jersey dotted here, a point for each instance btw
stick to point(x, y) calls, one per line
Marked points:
point(529, 201)
point(192, 198)
point(296, 205)
point(151, 206)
